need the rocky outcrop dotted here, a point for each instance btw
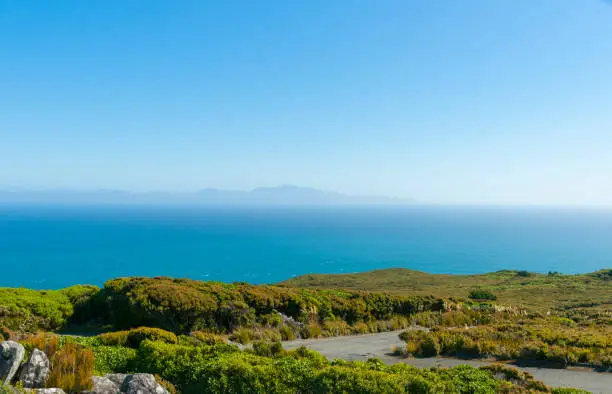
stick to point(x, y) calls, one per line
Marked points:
point(117, 383)
point(49, 391)
point(11, 356)
point(35, 371)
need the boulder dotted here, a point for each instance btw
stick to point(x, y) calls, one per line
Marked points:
point(117, 378)
point(11, 356)
point(104, 385)
point(142, 383)
point(49, 391)
point(36, 370)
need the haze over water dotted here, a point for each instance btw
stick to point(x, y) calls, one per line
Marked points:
point(52, 247)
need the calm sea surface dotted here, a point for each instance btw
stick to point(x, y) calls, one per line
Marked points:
point(52, 247)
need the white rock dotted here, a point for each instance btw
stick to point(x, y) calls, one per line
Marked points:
point(11, 356)
point(104, 385)
point(143, 383)
point(36, 370)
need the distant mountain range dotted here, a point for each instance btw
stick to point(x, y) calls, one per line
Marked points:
point(279, 195)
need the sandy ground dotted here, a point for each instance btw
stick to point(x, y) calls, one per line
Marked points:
point(362, 347)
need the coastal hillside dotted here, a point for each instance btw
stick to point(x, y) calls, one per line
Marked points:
point(589, 293)
point(188, 336)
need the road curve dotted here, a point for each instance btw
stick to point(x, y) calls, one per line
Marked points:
point(380, 345)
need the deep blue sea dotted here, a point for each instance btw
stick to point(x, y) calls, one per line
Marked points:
point(52, 247)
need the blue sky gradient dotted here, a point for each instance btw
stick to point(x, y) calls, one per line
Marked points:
point(475, 101)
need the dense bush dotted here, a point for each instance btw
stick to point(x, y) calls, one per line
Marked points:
point(28, 310)
point(209, 338)
point(525, 274)
point(482, 295)
point(420, 343)
point(132, 338)
point(268, 349)
point(182, 305)
point(109, 359)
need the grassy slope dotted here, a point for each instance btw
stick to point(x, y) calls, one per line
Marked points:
point(537, 291)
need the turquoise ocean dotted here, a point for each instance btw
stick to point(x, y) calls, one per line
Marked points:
point(54, 246)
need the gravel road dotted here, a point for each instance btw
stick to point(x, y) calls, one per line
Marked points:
point(362, 347)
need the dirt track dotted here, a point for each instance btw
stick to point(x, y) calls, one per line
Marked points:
point(380, 345)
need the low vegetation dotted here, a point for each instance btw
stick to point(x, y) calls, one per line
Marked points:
point(193, 366)
point(586, 296)
point(542, 340)
point(242, 311)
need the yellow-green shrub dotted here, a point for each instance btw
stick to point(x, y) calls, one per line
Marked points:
point(312, 330)
point(209, 338)
point(336, 327)
point(286, 333)
point(133, 338)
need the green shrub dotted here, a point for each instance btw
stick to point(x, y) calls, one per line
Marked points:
point(28, 310)
point(270, 319)
point(360, 328)
point(137, 335)
point(421, 343)
point(243, 335)
point(134, 337)
point(340, 379)
point(312, 330)
point(334, 328)
point(429, 346)
point(286, 333)
point(482, 295)
point(209, 338)
point(525, 274)
point(117, 338)
point(114, 359)
point(267, 349)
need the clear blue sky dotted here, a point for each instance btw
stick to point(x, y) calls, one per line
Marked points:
point(473, 101)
